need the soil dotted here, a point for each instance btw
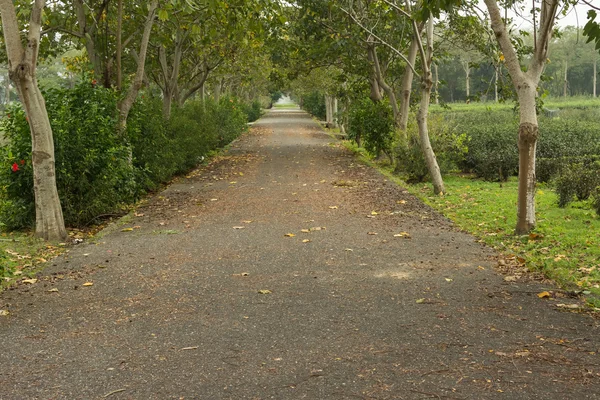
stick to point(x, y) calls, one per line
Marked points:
point(286, 269)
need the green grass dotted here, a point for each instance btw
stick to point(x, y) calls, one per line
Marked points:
point(565, 245)
point(22, 255)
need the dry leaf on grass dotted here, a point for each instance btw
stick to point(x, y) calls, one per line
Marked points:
point(543, 295)
point(87, 284)
point(29, 281)
point(264, 291)
point(289, 235)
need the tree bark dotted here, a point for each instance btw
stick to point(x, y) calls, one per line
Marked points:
point(436, 83)
point(22, 67)
point(526, 84)
point(407, 80)
point(119, 45)
point(127, 102)
point(566, 80)
point(595, 77)
point(389, 91)
point(422, 115)
point(375, 95)
point(496, 83)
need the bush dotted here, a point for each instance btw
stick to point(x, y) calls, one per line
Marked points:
point(371, 125)
point(253, 110)
point(578, 180)
point(97, 170)
point(449, 146)
point(314, 103)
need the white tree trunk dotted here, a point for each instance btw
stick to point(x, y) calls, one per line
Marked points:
point(595, 77)
point(423, 113)
point(566, 80)
point(407, 80)
point(526, 85)
point(496, 84)
point(22, 66)
point(436, 83)
point(127, 103)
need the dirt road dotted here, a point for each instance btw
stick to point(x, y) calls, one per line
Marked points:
point(287, 270)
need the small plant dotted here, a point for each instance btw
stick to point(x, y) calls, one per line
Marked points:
point(578, 180)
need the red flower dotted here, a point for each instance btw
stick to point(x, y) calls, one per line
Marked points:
point(15, 167)
point(22, 162)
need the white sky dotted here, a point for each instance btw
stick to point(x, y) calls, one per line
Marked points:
point(579, 12)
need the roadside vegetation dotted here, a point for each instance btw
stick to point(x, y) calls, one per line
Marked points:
point(479, 159)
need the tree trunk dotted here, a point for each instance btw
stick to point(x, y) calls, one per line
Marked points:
point(119, 45)
point(335, 112)
point(526, 84)
point(423, 113)
point(375, 94)
point(22, 66)
point(528, 134)
point(566, 82)
point(328, 117)
point(6, 91)
point(407, 80)
point(436, 83)
point(468, 81)
point(389, 91)
point(127, 102)
point(595, 77)
point(496, 84)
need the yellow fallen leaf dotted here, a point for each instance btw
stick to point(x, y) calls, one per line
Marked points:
point(289, 235)
point(403, 234)
point(401, 202)
point(543, 295)
point(333, 207)
point(88, 284)
point(449, 279)
point(29, 281)
point(232, 183)
point(4, 313)
point(265, 291)
point(238, 227)
point(54, 290)
point(247, 222)
point(305, 230)
point(371, 233)
point(420, 301)
point(127, 230)
point(374, 213)
point(306, 241)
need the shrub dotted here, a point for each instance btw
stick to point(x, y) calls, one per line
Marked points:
point(578, 180)
point(98, 170)
point(449, 146)
point(253, 110)
point(314, 103)
point(371, 125)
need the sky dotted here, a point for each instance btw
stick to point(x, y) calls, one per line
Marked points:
point(579, 12)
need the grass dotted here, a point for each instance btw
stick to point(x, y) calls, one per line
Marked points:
point(565, 246)
point(22, 255)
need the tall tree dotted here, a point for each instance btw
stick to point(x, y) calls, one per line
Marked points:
point(526, 86)
point(22, 63)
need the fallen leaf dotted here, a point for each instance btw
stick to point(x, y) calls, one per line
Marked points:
point(535, 236)
point(214, 199)
point(289, 235)
point(88, 284)
point(333, 207)
point(306, 241)
point(247, 222)
point(264, 291)
point(317, 228)
point(371, 233)
point(510, 278)
point(522, 354)
point(420, 301)
point(127, 230)
point(54, 290)
point(29, 281)
point(232, 183)
point(191, 348)
point(449, 279)
point(501, 354)
point(349, 250)
point(559, 257)
point(305, 230)
point(403, 234)
point(238, 227)
point(401, 202)
point(481, 268)
point(569, 306)
point(374, 213)
point(543, 295)
point(4, 313)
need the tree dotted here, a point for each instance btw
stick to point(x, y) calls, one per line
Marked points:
point(22, 63)
point(526, 86)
